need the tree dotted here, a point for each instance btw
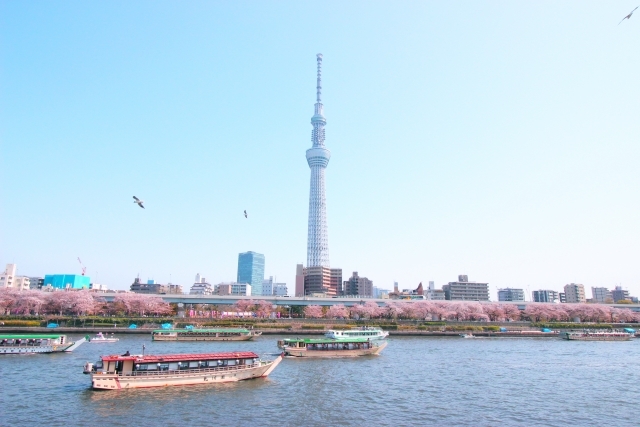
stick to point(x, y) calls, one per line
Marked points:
point(337, 311)
point(313, 312)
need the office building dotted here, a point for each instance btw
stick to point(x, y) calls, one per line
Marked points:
point(67, 281)
point(463, 290)
point(545, 295)
point(574, 293)
point(251, 269)
point(151, 287)
point(299, 291)
point(619, 294)
point(358, 286)
point(601, 295)
point(510, 294)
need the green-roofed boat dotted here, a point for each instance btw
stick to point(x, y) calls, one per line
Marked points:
point(324, 347)
point(215, 334)
point(37, 343)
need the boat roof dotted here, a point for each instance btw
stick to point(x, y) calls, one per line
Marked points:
point(167, 358)
point(326, 340)
point(31, 336)
point(204, 330)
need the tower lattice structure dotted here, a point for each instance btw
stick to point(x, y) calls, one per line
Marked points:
point(318, 159)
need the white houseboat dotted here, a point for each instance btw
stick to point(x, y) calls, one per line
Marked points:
point(142, 371)
point(591, 335)
point(101, 338)
point(371, 332)
point(323, 347)
point(37, 343)
point(215, 334)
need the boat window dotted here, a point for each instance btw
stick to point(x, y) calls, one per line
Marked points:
point(183, 365)
point(231, 362)
point(193, 364)
point(163, 366)
point(173, 366)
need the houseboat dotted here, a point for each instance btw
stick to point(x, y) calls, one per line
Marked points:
point(143, 371)
point(324, 347)
point(43, 343)
point(372, 332)
point(101, 338)
point(216, 334)
point(591, 335)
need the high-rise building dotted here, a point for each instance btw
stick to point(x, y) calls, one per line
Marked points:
point(510, 294)
point(619, 294)
point(299, 280)
point(545, 296)
point(358, 286)
point(251, 269)
point(463, 290)
point(318, 159)
point(574, 293)
point(601, 295)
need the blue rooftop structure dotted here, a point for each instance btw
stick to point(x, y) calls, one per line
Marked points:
point(64, 281)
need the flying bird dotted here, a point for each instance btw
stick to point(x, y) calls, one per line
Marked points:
point(245, 214)
point(138, 201)
point(628, 16)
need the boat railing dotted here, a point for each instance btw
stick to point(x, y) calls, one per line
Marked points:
point(221, 369)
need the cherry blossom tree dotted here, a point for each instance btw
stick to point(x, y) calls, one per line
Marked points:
point(263, 308)
point(338, 311)
point(313, 312)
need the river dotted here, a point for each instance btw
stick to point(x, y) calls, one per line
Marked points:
point(416, 381)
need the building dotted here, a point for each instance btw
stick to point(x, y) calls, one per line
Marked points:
point(434, 294)
point(21, 283)
point(358, 286)
point(36, 282)
point(242, 289)
point(463, 290)
point(545, 296)
point(318, 159)
point(562, 297)
point(322, 280)
point(270, 288)
point(201, 288)
point(299, 291)
point(151, 287)
point(251, 270)
point(98, 287)
point(380, 293)
point(510, 294)
point(67, 281)
point(619, 294)
point(601, 295)
point(222, 289)
point(7, 278)
point(574, 293)
point(336, 281)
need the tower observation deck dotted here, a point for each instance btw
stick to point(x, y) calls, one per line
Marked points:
point(318, 159)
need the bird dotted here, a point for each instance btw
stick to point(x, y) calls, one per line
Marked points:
point(138, 201)
point(245, 214)
point(628, 16)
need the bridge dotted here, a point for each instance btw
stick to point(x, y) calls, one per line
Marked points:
point(306, 301)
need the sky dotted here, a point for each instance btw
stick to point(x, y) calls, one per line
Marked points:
point(495, 139)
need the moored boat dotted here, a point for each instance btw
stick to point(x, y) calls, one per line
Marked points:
point(214, 334)
point(371, 332)
point(143, 371)
point(324, 347)
point(467, 335)
point(590, 335)
point(37, 343)
point(101, 338)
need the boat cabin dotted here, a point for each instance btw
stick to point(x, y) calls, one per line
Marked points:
point(31, 340)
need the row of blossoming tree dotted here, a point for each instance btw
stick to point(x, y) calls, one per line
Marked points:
point(475, 311)
point(83, 302)
point(33, 302)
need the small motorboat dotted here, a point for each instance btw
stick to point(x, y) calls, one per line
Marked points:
point(102, 338)
point(467, 335)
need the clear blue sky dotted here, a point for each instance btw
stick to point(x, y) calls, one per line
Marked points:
point(494, 139)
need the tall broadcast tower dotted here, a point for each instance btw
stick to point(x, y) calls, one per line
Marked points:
point(318, 158)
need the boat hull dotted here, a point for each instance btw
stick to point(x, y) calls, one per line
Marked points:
point(595, 337)
point(112, 381)
point(303, 352)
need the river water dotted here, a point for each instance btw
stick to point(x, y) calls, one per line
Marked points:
point(415, 381)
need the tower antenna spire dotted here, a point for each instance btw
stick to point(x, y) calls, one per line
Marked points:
point(319, 85)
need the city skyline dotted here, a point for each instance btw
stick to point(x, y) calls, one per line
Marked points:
point(465, 141)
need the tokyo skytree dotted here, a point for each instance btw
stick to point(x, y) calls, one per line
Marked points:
point(318, 159)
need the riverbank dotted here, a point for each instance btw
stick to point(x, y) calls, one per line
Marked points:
point(278, 331)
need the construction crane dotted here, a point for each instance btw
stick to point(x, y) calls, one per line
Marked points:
point(84, 269)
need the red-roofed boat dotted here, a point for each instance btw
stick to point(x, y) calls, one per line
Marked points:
point(140, 371)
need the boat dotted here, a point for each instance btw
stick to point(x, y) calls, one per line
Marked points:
point(215, 334)
point(467, 335)
point(142, 371)
point(591, 335)
point(38, 343)
point(324, 347)
point(372, 332)
point(100, 338)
